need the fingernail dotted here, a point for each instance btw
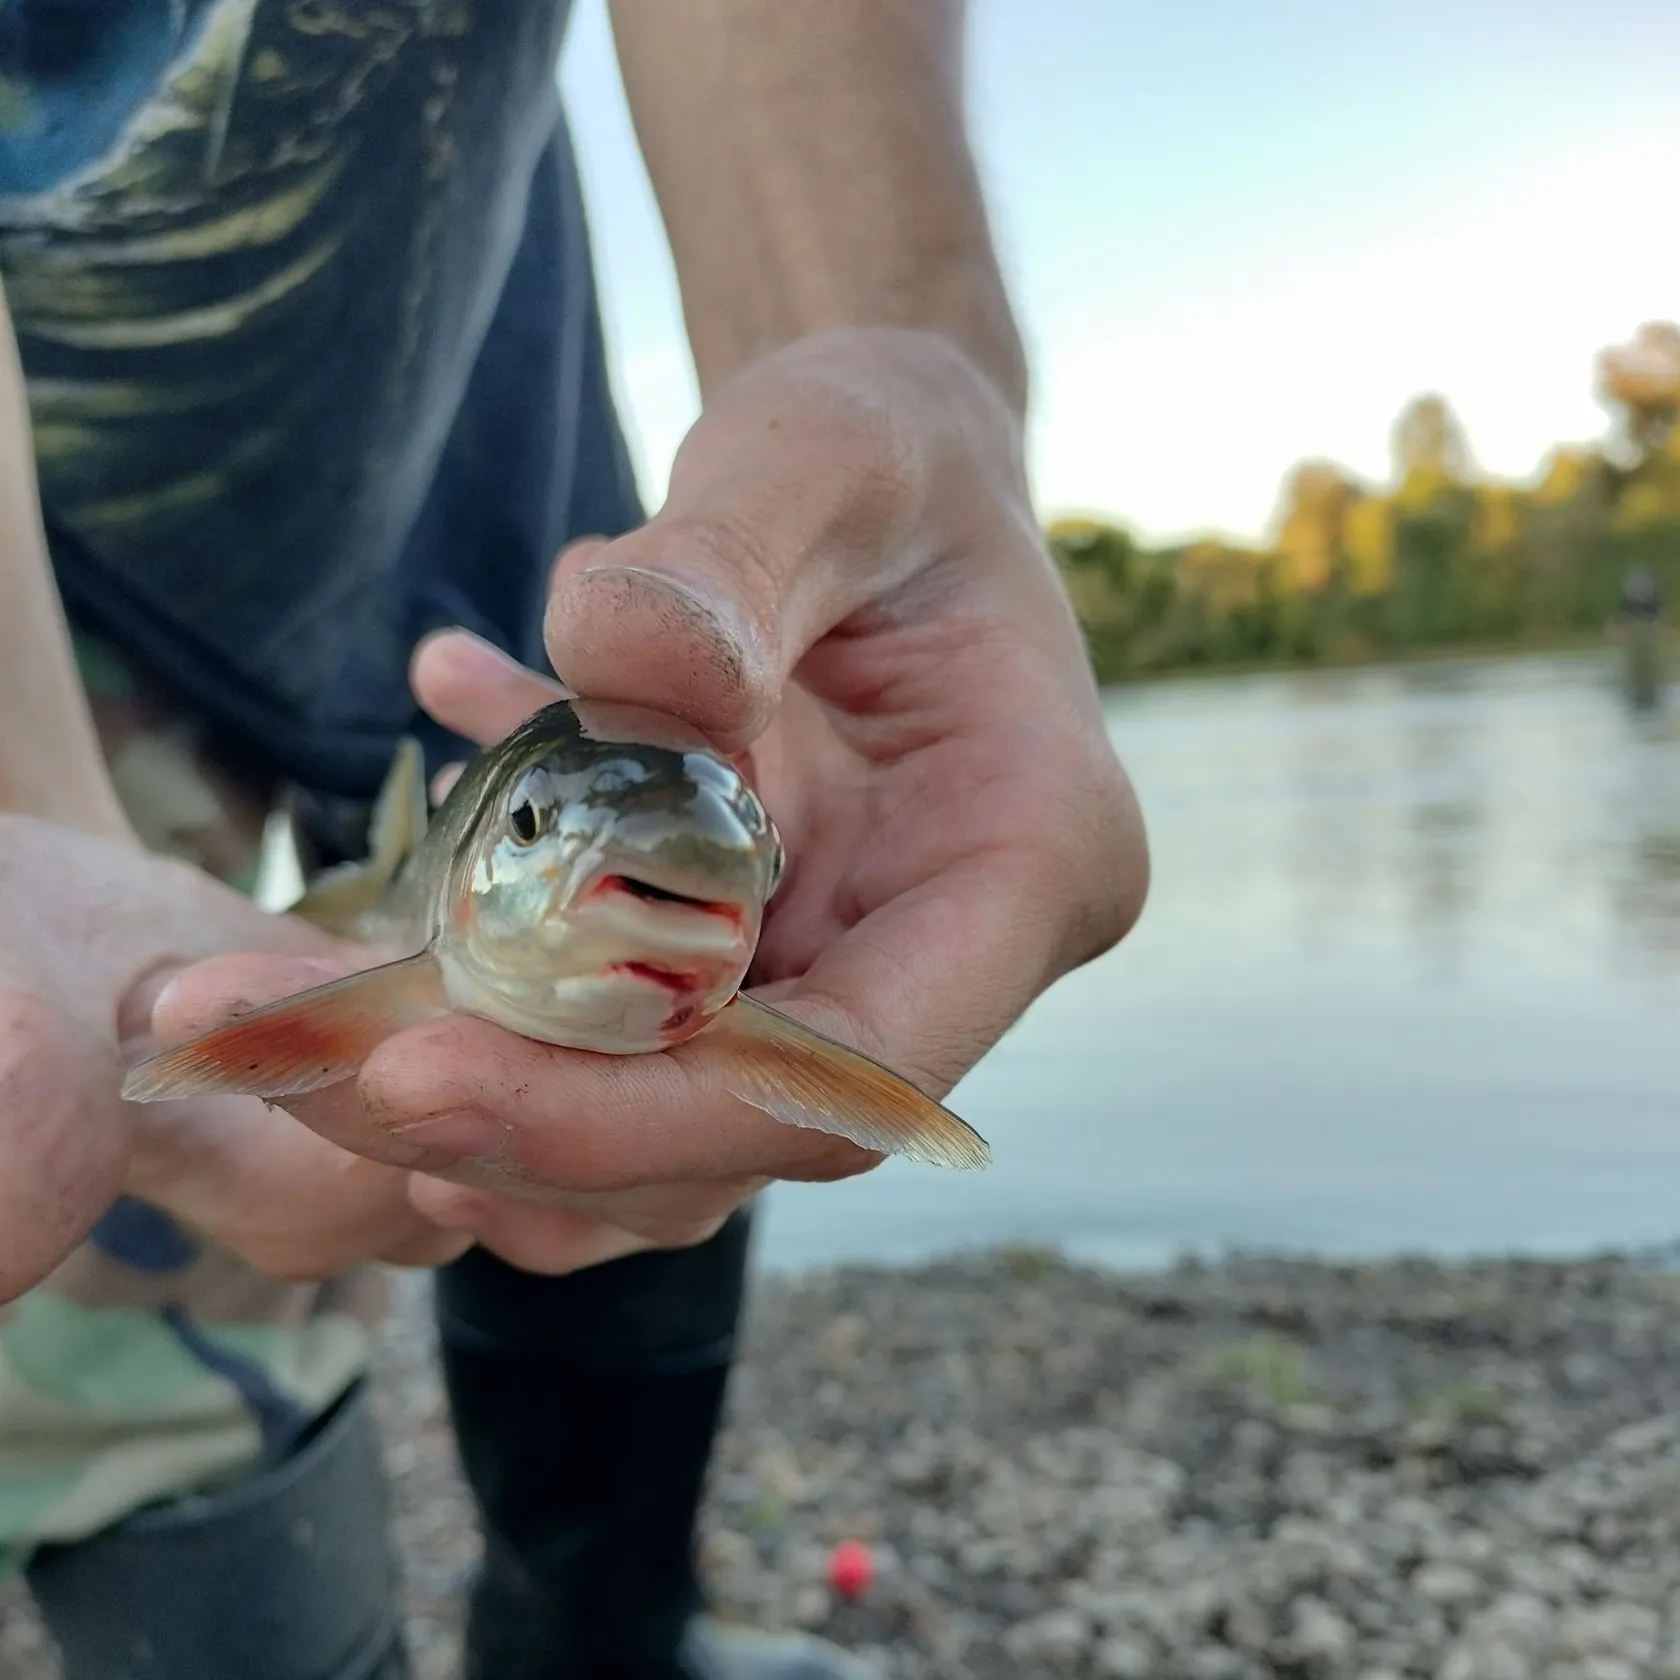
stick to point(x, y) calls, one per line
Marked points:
point(463, 1132)
point(699, 593)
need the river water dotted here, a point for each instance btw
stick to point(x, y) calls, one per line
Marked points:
point(1409, 979)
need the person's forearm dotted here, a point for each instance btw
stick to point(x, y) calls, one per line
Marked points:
point(812, 169)
point(50, 761)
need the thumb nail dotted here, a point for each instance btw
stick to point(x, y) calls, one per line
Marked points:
point(684, 593)
point(673, 641)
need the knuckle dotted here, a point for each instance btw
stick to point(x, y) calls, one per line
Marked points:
point(1101, 870)
point(31, 1029)
point(1120, 844)
point(883, 476)
point(50, 1064)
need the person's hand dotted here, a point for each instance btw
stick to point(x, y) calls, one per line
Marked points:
point(90, 931)
point(847, 580)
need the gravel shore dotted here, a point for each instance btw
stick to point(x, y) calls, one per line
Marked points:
point(1252, 1469)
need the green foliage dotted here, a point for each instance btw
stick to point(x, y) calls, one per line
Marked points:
point(1439, 559)
point(1028, 1263)
point(1264, 1369)
point(1460, 1406)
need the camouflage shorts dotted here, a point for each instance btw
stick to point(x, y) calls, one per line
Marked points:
point(150, 1363)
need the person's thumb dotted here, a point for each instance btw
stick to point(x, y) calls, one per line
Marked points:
point(789, 509)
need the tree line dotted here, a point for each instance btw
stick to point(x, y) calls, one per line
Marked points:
point(1441, 556)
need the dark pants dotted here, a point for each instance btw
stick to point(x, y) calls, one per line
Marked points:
point(585, 1409)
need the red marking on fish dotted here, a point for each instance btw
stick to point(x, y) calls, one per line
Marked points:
point(253, 1050)
point(300, 1043)
point(669, 978)
point(683, 1022)
point(249, 1046)
point(685, 1018)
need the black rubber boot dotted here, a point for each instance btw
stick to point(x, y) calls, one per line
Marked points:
point(586, 1408)
point(287, 1576)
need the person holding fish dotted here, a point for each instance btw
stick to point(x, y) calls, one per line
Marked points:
point(796, 793)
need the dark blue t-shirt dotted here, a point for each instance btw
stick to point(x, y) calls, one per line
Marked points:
point(303, 297)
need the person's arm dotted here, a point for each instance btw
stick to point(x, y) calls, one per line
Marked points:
point(90, 924)
point(50, 761)
point(847, 581)
point(813, 171)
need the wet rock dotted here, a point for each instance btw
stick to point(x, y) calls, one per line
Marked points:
point(1448, 1586)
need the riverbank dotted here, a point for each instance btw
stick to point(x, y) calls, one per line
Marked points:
point(1222, 1472)
point(1601, 643)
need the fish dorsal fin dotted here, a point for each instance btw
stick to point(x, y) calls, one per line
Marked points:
point(802, 1078)
point(339, 899)
point(398, 821)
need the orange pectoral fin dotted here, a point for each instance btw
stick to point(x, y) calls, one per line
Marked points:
point(301, 1043)
point(802, 1078)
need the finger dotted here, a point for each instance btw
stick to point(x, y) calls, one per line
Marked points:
point(444, 780)
point(576, 553)
point(207, 993)
point(432, 1246)
point(930, 981)
point(216, 990)
point(565, 1239)
point(552, 1117)
point(474, 689)
point(64, 1138)
point(285, 1198)
point(667, 1215)
point(792, 502)
point(463, 1098)
point(287, 1201)
point(547, 1241)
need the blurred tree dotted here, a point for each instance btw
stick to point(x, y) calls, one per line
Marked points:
point(1568, 473)
point(1498, 517)
point(1640, 383)
point(1317, 499)
point(1429, 448)
point(1444, 557)
point(1368, 538)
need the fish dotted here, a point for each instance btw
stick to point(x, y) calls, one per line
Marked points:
point(596, 880)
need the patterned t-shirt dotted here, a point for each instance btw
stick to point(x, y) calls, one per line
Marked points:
point(302, 293)
point(303, 298)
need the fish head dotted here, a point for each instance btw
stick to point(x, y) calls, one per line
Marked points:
point(611, 892)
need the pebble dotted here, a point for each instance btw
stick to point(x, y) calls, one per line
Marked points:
point(1402, 1471)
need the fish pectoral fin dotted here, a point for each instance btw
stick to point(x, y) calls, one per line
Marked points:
point(301, 1043)
point(338, 897)
point(802, 1078)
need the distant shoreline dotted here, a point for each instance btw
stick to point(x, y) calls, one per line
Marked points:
point(1426, 654)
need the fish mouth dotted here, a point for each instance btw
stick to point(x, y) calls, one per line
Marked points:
point(648, 919)
point(650, 892)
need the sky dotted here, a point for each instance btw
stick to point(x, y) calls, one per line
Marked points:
point(1244, 233)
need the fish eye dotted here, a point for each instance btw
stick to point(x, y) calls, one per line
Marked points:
point(527, 812)
point(525, 822)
